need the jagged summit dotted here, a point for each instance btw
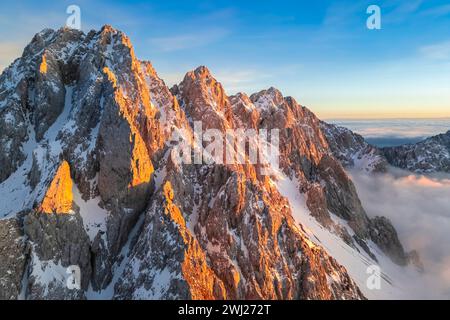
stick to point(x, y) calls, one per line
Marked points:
point(107, 28)
point(199, 74)
point(429, 155)
point(267, 99)
point(202, 72)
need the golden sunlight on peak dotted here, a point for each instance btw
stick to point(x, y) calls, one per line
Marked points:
point(59, 197)
point(43, 66)
point(111, 76)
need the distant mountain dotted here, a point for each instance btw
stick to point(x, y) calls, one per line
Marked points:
point(352, 150)
point(88, 179)
point(427, 156)
point(430, 155)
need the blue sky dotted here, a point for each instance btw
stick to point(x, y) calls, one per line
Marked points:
point(318, 51)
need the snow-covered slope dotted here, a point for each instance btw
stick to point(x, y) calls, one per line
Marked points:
point(352, 150)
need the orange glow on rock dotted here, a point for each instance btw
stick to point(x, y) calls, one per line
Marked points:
point(203, 282)
point(43, 66)
point(59, 197)
point(111, 76)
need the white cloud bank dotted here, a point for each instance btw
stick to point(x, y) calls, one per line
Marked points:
point(396, 128)
point(419, 208)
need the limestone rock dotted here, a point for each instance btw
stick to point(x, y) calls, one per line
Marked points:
point(14, 251)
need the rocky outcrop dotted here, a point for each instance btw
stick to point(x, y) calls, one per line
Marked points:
point(59, 197)
point(167, 262)
point(58, 242)
point(306, 155)
point(384, 235)
point(85, 99)
point(227, 220)
point(430, 155)
point(204, 99)
point(241, 238)
point(14, 251)
point(352, 150)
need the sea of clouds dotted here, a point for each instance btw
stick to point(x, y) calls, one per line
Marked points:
point(419, 208)
point(393, 132)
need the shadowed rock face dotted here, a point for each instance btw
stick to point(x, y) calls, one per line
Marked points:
point(352, 150)
point(430, 155)
point(427, 156)
point(14, 251)
point(100, 189)
point(56, 239)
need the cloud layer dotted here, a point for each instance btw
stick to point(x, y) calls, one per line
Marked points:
point(419, 208)
point(393, 132)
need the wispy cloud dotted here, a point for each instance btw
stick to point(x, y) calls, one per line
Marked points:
point(189, 40)
point(401, 11)
point(242, 80)
point(438, 51)
point(195, 31)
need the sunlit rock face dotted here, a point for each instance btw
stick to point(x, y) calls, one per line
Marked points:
point(88, 178)
point(226, 237)
point(59, 197)
point(204, 99)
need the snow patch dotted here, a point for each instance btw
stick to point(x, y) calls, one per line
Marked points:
point(94, 217)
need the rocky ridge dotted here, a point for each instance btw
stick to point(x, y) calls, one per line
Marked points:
point(427, 156)
point(430, 155)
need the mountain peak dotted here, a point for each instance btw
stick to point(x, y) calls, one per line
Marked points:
point(268, 98)
point(107, 28)
point(149, 69)
point(201, 72)
point(45, 32)
point(201, 75)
